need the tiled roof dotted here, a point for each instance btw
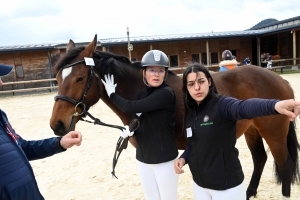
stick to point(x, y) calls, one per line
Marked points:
point(161, 38)
point(194, 36)
point(28, 47)
point(174, 37)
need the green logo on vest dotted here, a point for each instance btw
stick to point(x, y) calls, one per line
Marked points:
point(206, 124)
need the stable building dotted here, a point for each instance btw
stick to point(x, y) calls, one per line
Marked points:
point(35, 62)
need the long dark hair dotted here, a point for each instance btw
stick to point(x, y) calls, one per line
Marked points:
point(189, 102)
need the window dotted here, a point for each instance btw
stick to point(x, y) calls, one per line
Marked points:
point(214, 58)
point(203, 59)
point(174, 61)
point(195, 58)
point(19, 71)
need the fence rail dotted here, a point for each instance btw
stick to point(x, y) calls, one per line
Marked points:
point(52, 87)
point(177, 70)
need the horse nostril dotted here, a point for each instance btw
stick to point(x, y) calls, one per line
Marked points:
point(59, 128)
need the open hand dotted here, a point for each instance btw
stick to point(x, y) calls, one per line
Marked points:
point(109, 85)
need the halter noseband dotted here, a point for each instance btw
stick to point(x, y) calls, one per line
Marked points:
point(79, 103)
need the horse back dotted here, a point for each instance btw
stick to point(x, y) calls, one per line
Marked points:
point(249, 81)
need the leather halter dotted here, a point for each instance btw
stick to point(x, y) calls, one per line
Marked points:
point(81, 103)
point(134, 124)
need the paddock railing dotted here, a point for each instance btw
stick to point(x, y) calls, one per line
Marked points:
point(177, 70)
point(284, 63)
point(15, 83)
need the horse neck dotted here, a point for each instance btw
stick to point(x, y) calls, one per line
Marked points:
point(127, 87)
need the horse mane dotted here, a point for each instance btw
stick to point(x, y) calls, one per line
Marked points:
point(110, 63)
point(67, 58)
point(105, 62)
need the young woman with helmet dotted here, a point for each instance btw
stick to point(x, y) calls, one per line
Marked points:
point(154, 106)
point(228, 61)
point(210, 122)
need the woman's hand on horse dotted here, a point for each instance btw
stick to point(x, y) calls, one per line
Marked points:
point(109, 85)
point(178, 164)
point(71, 139)
point(125, 132)
point(289, 108)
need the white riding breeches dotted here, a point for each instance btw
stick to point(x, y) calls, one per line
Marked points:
point(159, 181)
point(269, 65)
point(235, 193)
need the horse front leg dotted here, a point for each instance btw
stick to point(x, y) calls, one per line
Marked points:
point(259, 157)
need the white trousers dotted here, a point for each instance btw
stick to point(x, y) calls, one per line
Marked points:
point(159, 181)
point(236, 193)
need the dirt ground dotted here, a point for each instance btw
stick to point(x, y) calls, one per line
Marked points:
point(84, 173)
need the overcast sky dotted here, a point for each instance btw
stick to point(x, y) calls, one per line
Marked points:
point(51, 21)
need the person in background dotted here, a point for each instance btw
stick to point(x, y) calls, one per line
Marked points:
point(155, 108)
point(247, 61)
point(210, 122)
point(17, 180)
point(269, 62)
point(228, 62)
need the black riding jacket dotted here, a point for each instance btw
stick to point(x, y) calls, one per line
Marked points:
point(155, 136)
point(211, 153)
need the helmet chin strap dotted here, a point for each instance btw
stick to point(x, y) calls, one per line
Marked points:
point(166, 75)
point(144, 78)
point(145, 81)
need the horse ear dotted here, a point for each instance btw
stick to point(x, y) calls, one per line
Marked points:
point(90, 48)
point(71, 45)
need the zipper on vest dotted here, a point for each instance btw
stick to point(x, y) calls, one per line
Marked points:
point(161, 145)
point(195, 122)
point(226, 172)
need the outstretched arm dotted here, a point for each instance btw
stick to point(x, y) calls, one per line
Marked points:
point(38, 149)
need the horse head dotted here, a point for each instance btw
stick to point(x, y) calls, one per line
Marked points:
point(80, 86)
point(76, 81)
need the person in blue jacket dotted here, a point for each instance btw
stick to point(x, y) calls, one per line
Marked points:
point(210, 121)
point(17, 181)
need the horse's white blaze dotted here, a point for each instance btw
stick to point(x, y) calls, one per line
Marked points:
point(66, 72)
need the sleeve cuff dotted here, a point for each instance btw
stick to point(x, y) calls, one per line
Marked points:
point(59, 145)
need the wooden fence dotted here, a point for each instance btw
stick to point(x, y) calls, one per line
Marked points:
point(177, 70)
point(279, 64)
point(49, 88)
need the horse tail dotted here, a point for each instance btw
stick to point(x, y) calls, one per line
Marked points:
point(293, 148)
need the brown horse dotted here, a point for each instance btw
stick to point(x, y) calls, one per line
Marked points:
point(264, 57)
point(80, 83)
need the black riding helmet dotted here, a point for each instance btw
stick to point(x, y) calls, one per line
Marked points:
point(227, 55)
point(155, 58)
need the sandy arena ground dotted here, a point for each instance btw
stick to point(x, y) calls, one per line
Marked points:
point(84, 173)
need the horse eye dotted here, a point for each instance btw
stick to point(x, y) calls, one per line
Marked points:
point(80, 79)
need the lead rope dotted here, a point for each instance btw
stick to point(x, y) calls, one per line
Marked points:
point(123, 143)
